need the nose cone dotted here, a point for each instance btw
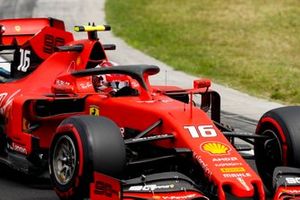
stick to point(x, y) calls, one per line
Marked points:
point(242, 188)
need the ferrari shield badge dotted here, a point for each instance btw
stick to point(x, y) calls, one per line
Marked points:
point(94, 110)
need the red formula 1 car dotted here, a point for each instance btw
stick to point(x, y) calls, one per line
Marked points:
point(106, 133)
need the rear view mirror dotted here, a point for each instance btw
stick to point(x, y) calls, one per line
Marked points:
point(202, 83)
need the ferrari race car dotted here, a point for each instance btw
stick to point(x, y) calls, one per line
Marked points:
point(104, 132)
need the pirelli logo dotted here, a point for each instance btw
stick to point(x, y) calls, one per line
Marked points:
point(232, 169)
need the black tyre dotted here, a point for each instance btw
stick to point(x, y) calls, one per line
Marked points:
point(82, 145)
point(282, 147)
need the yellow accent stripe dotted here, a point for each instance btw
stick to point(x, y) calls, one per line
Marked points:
point(91, 28)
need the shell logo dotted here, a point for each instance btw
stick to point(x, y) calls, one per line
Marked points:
point(215, 148)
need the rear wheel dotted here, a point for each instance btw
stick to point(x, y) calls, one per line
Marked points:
point(281, 148)
point(82, 145)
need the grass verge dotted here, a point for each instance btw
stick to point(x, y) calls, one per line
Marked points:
point(252, 46)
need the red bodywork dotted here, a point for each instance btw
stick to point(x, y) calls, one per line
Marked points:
point(33, 105)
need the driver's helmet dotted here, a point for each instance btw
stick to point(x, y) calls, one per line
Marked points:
point(110, 82)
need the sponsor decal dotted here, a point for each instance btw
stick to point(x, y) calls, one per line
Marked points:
point(288, 194)
point(18, 28)
point(166, 100)
point(202, 130)
point(189, 196)
point(105, 189)
point(62, 82)
point(86, 85)
point(4, 105)
point(225, 159)
point(291, 191)
point(232, 169)
point(215, 148)
point(229, 164)
point(148, 101)
point(18, 148)
point(151, 187)
point(2, 102)
point(293, 180)
point(148, 138)
point(236, 175)
point(94, 110)
point(206, 170)
point(156, 197)
point(78, 60)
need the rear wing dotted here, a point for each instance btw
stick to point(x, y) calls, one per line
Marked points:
point(26, 42)
point(40, 36)
point(18, 31)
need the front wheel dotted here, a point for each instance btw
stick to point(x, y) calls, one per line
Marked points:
point(82, 145)
point(281, 147)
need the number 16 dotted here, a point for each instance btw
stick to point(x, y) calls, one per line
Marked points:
point(24, 60)
point(204, 131)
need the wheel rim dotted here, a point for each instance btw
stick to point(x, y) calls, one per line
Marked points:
point(273, 149)
point(270, 156)
point(64, 160)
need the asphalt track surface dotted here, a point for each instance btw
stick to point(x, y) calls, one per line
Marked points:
point(16, 186)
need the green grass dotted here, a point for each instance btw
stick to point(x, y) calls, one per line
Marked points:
point(252, 46)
